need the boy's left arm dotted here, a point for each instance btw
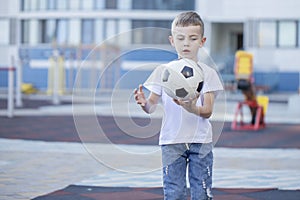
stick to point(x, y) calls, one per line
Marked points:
point(205, 110)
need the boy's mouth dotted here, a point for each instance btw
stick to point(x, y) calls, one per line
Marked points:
point(186, 51)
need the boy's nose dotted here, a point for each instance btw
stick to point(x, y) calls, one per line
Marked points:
point(186, 43)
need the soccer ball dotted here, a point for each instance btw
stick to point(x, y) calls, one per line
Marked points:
point(182, 79)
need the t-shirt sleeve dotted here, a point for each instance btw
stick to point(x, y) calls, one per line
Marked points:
point(212, 82)
point(153, 83)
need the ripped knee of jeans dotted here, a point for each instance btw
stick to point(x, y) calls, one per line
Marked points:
point(207, 186)
point(209, 194)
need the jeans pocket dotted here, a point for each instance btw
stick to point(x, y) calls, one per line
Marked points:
point(205, 149)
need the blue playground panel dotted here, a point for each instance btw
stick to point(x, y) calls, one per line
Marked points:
point(268, 80)
point(274, 81)
point(148, 54)
point(3, 78)
point(289, 81)
point(128, 79)
point(277, 81)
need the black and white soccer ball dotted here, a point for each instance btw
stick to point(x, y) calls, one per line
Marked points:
point(182, 79)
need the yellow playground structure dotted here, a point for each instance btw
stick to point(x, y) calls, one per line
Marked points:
point(258, 105)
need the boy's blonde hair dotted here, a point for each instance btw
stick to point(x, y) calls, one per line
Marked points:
point(189, 18)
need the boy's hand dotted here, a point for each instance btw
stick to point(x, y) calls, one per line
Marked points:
point(139, 96)
point(189, 105)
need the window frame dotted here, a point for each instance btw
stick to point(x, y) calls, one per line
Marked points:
point(279, 22)
point(90, 33)
point(277, 33)
point(261, 35)
point(163, 5)
point(138, 26)
point(6, 34)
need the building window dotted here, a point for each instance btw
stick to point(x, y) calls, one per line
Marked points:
point(110, 4)
point(163, 4)
point(99, 4)
point(53, 30)
point(125, 5)
point(34, 5)
point(25, 31)
point(87, 4)
point(298, 37)
point(111, 27)
point(47, 30)
point(62, 4)
point(157, 34)
point(74, 28)
point(42, 5)
point(279, 33)
point(287, 33)
point(99, 31)
point(4, 33)
point(87, 31)
point(26, 5)
point(51, 4)
point(34, 32)
point(74, 4)
point(62, 31)
point(267, 34)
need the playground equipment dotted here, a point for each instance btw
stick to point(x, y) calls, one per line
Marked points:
point(56, 76)
point(83, 68)
point(14, 92)
point(257, 104)
point(10, 93)
point(98, 67)
point(28, 88)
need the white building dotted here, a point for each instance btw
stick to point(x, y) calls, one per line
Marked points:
point(270, 29)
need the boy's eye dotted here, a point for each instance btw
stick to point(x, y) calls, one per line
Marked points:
point(180, 38)
point(194, 38)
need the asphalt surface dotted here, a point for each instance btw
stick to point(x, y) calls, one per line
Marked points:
point(46, 147)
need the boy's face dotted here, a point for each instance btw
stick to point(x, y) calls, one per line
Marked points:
point(187, 41)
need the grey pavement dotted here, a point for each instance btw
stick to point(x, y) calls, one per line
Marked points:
point(32, 168)
point(281, 108)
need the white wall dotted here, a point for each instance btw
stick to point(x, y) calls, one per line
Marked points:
point(232, 11)
point(6, 52)
point(284, 60)
point(240, 10)
point(9, 8)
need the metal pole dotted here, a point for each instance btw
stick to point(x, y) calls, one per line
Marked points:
point(19, 102)
point(71, 73)
point(55, 96)
point(10, 99)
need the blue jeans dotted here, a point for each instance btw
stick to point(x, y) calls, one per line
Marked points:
point(198, 158)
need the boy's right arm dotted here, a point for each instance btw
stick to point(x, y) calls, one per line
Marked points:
point(148, 105)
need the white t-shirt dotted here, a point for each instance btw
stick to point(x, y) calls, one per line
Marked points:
point(178, 125)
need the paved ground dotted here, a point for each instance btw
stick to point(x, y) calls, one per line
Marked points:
point(33, 168)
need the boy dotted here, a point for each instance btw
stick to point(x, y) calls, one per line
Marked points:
point(186, 133)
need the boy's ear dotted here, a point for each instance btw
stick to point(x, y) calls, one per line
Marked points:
point(171, 39)
point(203, 40)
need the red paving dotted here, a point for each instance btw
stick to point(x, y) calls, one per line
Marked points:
point(74, 192)
point(62, 128)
